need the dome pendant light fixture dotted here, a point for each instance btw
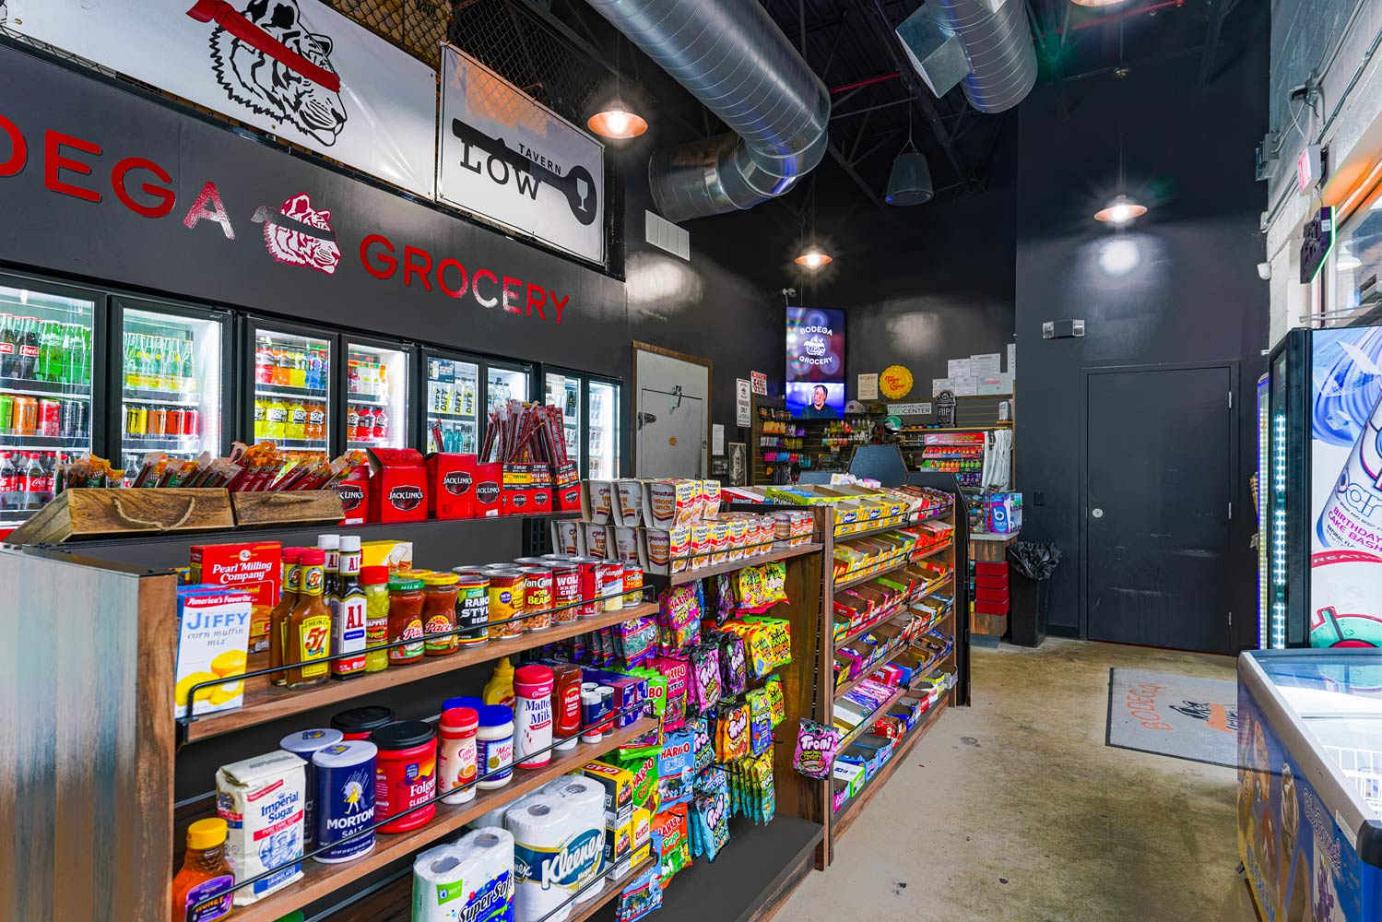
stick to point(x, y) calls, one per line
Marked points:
point(909, 182)
point(813, 258)
point(615, 118)
point(1120, 211)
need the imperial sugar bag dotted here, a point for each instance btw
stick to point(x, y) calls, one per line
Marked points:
point(262, 801)
point(556, 846)
point(468, 881)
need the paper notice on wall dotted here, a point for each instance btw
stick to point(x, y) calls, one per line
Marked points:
point(909, 409)
point(958, 368)
point(867, 388)
point(1012, 361)
point(743, 399)
point(717, 439)
point(994, 385)
point(941, 384)
point(990, 363)
point(965, 386)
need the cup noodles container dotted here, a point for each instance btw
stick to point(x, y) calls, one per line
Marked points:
point(213, 641)
point(568, 537)
point(628, 502)
point(626, 545)
point(255, 567)
point(262, 801)
point(666, 551)
point(398, 485)
point(669, 502)
point(354, 494)
point(489, 483)
point(597, 501)
point(451, 485)
point(702, 545)
point(710, 498)
point(599, 541)
point(396, 555)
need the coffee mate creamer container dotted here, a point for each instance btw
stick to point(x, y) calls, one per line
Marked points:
point(262, 801)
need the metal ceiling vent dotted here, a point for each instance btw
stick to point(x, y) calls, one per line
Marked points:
point(987, 44)
point(732, 57)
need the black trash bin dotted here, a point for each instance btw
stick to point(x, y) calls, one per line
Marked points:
point(1030, 584)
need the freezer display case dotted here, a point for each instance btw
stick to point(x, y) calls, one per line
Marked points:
point(504, 383)
point(291, 386)
point(1309, 812)
point(1323, 523)
point(172, 390)
point(564, 391)
point(602, 446)
point(377, 406)
point(47, 335)
point(453, 403)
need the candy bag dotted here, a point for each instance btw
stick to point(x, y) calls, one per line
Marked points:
point(679, 617)
point(709, 817)
point(760, 722)
point(699, 728)
point(734, 664)
point(677, 672)
point(750, 590)
point(675, 768)
point(816, 747)
point(704, 693)
point(671, 842)
point(642, 896)
point(637, 639)
point(732, 731)
point(777, 701)
point(722, 592)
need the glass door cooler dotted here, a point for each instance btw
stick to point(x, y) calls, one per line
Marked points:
point(171, 376)
point(603, 415)
point(504, 382)
point(290, 385)
point(47, 334)
point(378, 378)
point(452, 391)
point(564, 391)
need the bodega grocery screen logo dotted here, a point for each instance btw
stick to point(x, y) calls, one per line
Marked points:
point(297, 232)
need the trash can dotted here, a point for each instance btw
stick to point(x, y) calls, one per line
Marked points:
point(1032, 566)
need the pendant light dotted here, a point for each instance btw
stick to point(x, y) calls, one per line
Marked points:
point(909, 182)
point(615, 118)
point(812, 256)
point(1122, 209)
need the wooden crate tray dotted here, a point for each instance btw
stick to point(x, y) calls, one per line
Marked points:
point(87, 513)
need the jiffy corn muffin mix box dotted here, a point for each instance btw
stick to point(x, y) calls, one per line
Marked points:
point(213, 641)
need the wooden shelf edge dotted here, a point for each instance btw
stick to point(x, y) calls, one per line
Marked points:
point(842, 820)
point(321, 880)
point(272, 703)
point(852, 581)
point(730, 566)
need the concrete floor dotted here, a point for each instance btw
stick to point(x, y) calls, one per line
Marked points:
point(1014, 809)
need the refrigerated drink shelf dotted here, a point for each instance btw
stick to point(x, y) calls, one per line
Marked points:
point(162, 443)
point(165, 398)
point(372, 401)
point(43, 443)
point(28, 386)
point(300, 444)
point(284, 390)
point(467, 418)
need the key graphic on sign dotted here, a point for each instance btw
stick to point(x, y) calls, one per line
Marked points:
point(577, 185)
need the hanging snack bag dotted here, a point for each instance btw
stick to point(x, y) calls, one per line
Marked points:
point(679, 617)
point(777, 701)
point(709, 817)
point(760, 722)
point(699, 728)
point(732, 731)
point(705, 687)
point(734, 664)
point(816, 748)
point(675, 769)
point(642, 896)
point(671, 841)
point(636, 640)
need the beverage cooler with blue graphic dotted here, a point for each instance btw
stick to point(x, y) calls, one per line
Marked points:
point(1322, 480)
point(1309, 806)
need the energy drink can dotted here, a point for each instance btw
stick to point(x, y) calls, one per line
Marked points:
point(345, 799)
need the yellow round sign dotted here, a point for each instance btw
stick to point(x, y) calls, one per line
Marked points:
point(895, 382)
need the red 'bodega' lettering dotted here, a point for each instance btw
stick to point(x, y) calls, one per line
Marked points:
point(450, 277)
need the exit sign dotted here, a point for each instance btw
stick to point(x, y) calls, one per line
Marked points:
point(1310, 167)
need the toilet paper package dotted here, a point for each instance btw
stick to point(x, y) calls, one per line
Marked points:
point(557, 847)
point(470, 880)
point(587, 797)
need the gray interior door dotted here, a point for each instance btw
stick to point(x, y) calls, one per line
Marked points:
point(1158, 492)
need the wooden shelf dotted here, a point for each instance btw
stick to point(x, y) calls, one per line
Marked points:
point(265, 701)
point(919, 593)
point(884, 660)
point(729, 566)
point(867, 723)
point(321, 880)
point(857, 578)
point(855, 805)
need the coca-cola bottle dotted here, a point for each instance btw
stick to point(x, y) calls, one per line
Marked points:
point(28, 349)
point(8, 482)
point(34, 476)
point(9, 345)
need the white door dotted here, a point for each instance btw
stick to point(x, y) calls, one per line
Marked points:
point(670, 416)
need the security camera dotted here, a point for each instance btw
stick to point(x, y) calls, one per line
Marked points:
point(1264, 271)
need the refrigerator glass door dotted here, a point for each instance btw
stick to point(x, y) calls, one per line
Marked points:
point(604, 431)
point(45, 393)
point(506, 384)
point(170, 386)
point(291, 380)
point(564, 393)
point(376, 397)
point(453, 405)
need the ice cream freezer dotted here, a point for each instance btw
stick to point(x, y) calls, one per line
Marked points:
point(1309, 811)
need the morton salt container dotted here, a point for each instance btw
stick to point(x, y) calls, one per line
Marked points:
point(345, 799)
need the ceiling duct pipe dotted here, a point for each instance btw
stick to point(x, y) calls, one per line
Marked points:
point(732, 57)
point(986, 44)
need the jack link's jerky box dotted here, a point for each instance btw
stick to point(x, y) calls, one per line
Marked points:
point(255, 567)
point(262, 801)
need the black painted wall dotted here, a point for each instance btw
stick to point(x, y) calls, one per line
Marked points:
point(1193, 297)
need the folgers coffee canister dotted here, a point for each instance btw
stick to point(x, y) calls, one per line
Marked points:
point(472, 606)
point(405, 775)
point(359, 723)
point(303, 745)
point(538, 598)
point(346, 775)
point(507, 603)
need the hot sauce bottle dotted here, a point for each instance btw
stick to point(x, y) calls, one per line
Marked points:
point(278, 618)
point(201, 886)
point(309, 626)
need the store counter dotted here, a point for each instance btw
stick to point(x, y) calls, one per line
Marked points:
point(1310, 783)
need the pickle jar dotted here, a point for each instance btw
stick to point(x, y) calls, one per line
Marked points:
point(375, 582)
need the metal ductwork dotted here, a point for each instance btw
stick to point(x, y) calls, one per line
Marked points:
point(732, 57)
point(986, 44)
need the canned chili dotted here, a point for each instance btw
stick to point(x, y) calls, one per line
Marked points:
point(566, 591)
point(610, 577)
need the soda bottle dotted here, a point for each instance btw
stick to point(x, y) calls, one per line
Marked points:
point(7, 482)
point(6, 413)
point(381, 425)
point(189, 376)
point(9, 348)
point(297, 421)
point(263, 362)
point(260, 417)
point(81, 356)
point(282, 374)
point(353, 377)
point(28, 349)
point(33, 483)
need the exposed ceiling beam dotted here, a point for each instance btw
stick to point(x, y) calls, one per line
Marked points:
point(838, 156)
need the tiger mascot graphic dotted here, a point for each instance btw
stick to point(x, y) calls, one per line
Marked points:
point(272, 87)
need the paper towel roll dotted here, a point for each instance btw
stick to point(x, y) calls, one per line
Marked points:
point(555, 847)
point(438, 885)
point(587, 797)
point(468, 879)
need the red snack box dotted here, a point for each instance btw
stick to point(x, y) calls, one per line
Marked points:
point(255, 567)
point(354, 494)
point(398, 485)
point(451, 481)
point(489, 483)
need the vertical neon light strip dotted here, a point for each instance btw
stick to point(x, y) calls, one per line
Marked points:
point(1277, 638)
point(1263, 491)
